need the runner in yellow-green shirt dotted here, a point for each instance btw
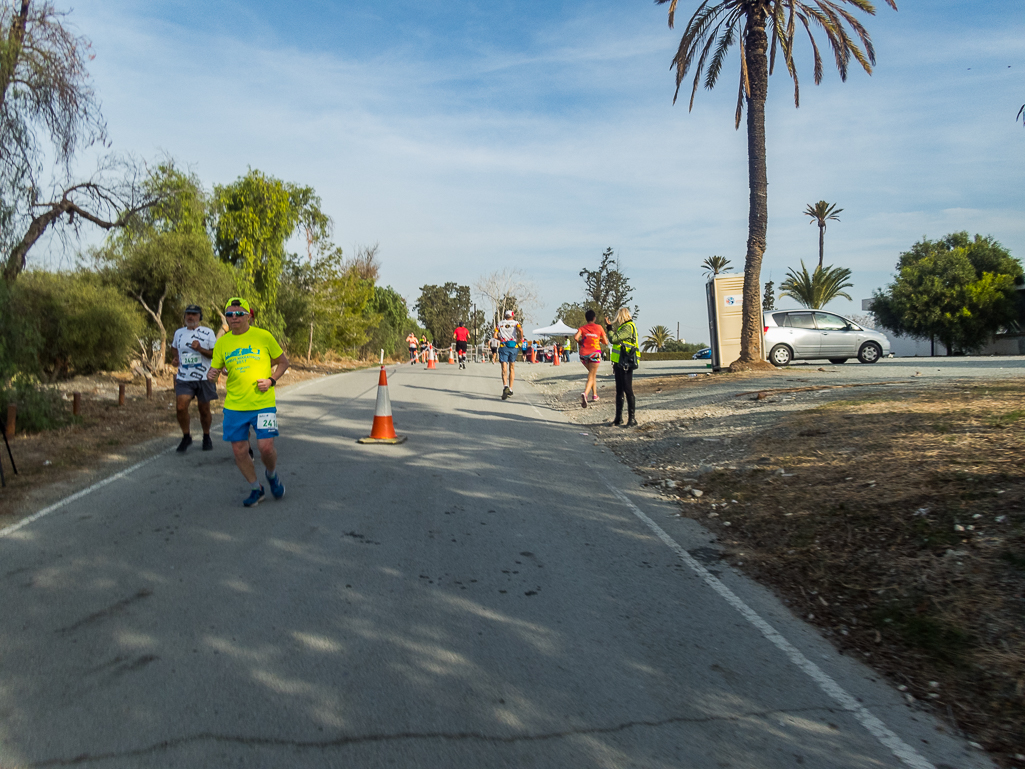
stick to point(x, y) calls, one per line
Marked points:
point(254, 362)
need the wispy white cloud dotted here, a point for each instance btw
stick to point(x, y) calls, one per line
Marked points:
point(541, 154)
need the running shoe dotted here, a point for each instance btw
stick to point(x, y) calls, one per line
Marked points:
point(186, 442)
point(255, 497)
point(583, 400)
point(208, 445)
point(593, 397)
point(506, 392)
point(277, 488)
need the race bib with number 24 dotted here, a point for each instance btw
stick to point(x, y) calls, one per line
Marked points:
point(267, 420)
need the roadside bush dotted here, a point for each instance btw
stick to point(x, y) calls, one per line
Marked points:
point(82, 326)
point(40, 407)
point(20, 340)
point(675, 345)
point(667, 355)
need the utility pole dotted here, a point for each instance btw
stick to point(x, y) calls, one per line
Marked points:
point(677, 329)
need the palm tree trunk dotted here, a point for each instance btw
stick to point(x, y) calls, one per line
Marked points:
point(758, 214)
point(822, 241)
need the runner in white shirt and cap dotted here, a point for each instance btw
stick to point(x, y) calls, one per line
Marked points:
point(509, 334)
point(193, 347)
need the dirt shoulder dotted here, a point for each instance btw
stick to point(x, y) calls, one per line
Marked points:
point(889, 514)
point(107, 437)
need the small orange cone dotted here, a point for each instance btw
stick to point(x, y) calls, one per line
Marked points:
point(431, 357)
point(451, 357)
point(556, 355)
point(383, 429)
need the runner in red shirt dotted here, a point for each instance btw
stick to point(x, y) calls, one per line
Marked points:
point(462, 336)
point(590, 338)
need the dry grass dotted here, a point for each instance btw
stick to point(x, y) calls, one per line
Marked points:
point(898, 526)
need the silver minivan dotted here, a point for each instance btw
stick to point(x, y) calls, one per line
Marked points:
point(812, 334)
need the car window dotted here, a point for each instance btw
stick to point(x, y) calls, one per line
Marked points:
point(829, 322)
point(800, 320)
point(780, 318)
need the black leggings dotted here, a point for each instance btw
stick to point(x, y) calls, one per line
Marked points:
point(624, 386)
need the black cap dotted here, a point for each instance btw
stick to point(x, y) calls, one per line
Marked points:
point(194, 308)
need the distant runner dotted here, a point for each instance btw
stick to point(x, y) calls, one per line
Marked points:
point(462, 336)
point(590, 337)
point(509, 334)
point(193, 347)
point(411, 342)
point(254, 362)
point(493, 347)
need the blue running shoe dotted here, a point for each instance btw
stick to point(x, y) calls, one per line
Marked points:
point(255, 497)
point(277, 488)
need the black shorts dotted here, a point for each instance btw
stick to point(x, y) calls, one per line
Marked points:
point(461, 347)
point(203, 389)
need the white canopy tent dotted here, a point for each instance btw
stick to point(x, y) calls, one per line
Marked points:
point(558, 329)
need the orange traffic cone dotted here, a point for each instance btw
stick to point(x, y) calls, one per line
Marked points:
point(556, 355)
point(431, 359)
point(383, 430)
point(451, 357)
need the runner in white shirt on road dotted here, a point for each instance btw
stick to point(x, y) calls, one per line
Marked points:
point(193, 347)
point(509, 334)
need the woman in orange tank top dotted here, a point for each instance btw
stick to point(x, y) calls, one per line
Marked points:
point(590, 337)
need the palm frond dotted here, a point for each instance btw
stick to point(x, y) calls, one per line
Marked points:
point(817, 289)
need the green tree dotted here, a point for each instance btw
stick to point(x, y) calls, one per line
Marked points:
point(442, 308)
point(164, 259)
point(390, 332)
point(83, 325)
point(718, 25)
point(255, 215)
point(571, 313)
point(817, 289)
point(958, 289)
point(820, 212)
point(657, 338)
point(713, 265)
point(768, 297)
point(607, 288)
point(48, 112)
point(325, 304)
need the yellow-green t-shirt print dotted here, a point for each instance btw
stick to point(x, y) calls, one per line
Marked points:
point(246, 357)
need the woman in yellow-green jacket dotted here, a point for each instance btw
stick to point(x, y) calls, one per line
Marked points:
point(625, 352)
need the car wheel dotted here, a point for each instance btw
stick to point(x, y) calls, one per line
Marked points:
point(780, 355)
point(870, 352)
point(838, 360)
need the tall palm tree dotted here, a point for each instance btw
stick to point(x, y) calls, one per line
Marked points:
point(817, 290)
point(819, 213)
point(711, 32)
point(656, 339)
point(715, 264)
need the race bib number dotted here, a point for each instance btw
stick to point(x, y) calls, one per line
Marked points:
point(267, 421)
point(190, 358)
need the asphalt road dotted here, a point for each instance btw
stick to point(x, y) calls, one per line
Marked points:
point(497, 592)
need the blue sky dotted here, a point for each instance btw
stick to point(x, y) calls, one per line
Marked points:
point(465, 137)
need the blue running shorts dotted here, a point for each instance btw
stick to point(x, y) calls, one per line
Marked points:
point(508, 354)
point(237, 423)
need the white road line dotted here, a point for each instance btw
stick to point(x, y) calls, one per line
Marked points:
point(908, 755)
point(79, 494)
